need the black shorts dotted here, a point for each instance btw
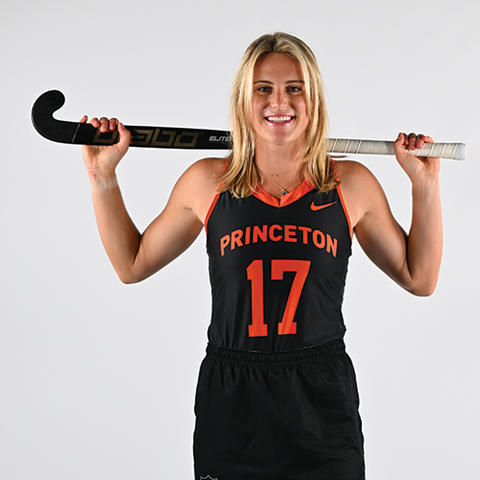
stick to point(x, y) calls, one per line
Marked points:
point(283, 416)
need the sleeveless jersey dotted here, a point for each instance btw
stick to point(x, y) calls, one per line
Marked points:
point(277, 268)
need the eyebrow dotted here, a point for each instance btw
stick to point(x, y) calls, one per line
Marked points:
point(271, 83)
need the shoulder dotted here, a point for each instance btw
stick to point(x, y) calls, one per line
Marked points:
point(355, 176)
point(348, 170)
point(359, 186)
point(210, 169)
point(199, 183)
point(203, 173)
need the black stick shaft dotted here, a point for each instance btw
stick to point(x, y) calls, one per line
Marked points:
point(142, 136)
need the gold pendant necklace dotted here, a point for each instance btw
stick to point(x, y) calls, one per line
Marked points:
point(285, 188)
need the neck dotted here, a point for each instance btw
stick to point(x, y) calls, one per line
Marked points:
point(283, 160)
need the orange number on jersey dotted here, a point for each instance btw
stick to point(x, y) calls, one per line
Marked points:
point(258, 327)
point(255, 273)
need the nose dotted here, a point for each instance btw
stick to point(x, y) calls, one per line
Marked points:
point(279, 99)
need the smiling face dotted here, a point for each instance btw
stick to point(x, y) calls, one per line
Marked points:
point(279, 109)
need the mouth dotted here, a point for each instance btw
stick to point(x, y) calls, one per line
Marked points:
point(280, 119)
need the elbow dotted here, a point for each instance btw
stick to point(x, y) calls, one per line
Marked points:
point(128, 278)
point(420, 286)
point(133, 277)
point(127, 281)
point(423, 291)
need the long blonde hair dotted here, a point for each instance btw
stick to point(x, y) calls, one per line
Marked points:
point(242, 175)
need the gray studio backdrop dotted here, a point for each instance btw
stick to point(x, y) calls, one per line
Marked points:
point(97, 377)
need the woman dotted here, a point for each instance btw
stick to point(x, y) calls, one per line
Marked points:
point(277, 395)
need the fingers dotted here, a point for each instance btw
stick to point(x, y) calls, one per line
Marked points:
point(104, 123)
point(414, 141)
point(113, 123)
point(125, 136)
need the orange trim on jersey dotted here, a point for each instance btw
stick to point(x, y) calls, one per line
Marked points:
point(212, 206)
point(286, 199)
point(226, 166)
point(215, 199)
point(339, 190)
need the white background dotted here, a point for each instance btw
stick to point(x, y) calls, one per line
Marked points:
point(97, 378)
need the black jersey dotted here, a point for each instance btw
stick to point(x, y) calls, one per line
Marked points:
point(277, 268)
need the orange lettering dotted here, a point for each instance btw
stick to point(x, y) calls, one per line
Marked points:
point(247, 235)
point(272, 237)
point(257, 233)
point(236, 239)
point(305, 231)
point(331, 244)
point(315, 234)
point(224, 241)
point(290, 231)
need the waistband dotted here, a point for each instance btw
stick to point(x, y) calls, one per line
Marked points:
point(293, 356)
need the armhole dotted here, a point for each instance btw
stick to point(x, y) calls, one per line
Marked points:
point(340, 194)
point(215, 199)
point(210, 210)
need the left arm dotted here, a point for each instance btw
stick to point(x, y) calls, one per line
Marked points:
point(413, 260)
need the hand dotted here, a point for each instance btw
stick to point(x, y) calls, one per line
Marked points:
point(417, 168)
point(102, 160)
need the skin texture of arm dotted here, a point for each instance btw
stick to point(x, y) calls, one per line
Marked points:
point(412, 260)
point(177, 226)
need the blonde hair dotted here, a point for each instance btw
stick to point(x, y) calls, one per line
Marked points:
point(242, 176)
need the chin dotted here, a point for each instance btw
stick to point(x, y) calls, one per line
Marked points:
point(280, 139)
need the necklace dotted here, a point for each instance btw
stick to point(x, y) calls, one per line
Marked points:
point(285, 188)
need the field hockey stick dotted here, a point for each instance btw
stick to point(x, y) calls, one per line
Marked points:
point(197, 138)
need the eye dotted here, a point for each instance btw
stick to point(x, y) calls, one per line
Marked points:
point(294, 89)
point(264, 89)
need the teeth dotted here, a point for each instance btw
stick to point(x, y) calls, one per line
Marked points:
point(285, 118)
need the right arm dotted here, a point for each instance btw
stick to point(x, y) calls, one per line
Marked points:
point(136, 256)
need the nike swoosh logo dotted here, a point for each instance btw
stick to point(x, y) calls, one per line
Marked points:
point(319, 207)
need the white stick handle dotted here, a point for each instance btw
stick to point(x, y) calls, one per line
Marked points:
point(454, 151)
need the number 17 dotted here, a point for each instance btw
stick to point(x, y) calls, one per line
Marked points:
point(258, 328)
